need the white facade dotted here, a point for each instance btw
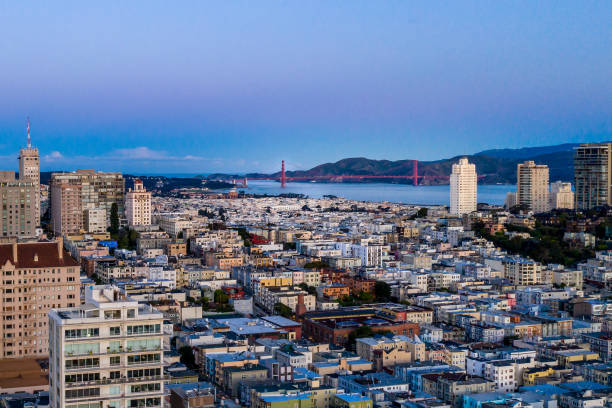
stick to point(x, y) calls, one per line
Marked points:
point(463, 187)
point(561, 195)
point(107, 352)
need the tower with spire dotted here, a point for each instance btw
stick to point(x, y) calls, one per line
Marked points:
point(29, 168)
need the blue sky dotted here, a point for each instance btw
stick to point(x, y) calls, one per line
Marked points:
point(204, 86)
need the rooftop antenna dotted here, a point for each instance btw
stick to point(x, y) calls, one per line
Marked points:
point(29, 143)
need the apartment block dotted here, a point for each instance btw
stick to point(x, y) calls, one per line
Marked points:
point(463, 187)
point(35, 277)
point(74, 193)
point(532, 186)
point(138, 205)
point(106, 352)
point(20, 215)
point(593, 175)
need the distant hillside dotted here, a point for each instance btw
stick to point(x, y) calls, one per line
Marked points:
point(529, 152)
point(496, 166)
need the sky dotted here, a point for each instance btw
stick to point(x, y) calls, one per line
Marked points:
point(158, 87)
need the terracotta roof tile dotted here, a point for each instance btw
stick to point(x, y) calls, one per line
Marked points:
point(36, 255)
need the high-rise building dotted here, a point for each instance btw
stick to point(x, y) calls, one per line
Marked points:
point(36, 276)
point(19, 213)
point(561, 195)
point(593, 175)
point(138, 205)
point(107, 352)
point(532, 186)
point(72, 194)
point(29, 170)
point(463, 187)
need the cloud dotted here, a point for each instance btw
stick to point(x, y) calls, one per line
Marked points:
point(139, 153)
point(53, 156)
point(141, 159)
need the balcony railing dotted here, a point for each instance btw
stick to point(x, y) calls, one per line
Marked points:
point(116, 396)
point(122, 380)
point(109, 352)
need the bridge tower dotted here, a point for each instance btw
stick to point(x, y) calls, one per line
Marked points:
point(283, 179)
point(415, 172)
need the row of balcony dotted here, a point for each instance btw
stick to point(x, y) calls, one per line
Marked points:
point(121, 350)
point(122, 380)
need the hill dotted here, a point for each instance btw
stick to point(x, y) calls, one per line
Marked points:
point(495, 166)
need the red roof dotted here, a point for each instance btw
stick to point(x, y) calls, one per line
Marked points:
point(46, 252)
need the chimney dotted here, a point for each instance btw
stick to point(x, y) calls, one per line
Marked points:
point(60, 248)
point(15, 253)
point(300, 308)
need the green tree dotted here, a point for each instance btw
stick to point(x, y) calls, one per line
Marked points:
point(382, 291)
point(187, 357)
point(365, 296)
point(283, 310)
point(114, 219)
point(221, 297)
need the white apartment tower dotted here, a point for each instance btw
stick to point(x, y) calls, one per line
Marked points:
point(561, 195)
point(463, 187)
point(138, 205)
point(532, 186)
point(29, 170)
point(107, 352)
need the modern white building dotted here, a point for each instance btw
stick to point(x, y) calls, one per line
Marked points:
point(107, 352)
point(138, 205)
point(463, 187)
point(561, 195)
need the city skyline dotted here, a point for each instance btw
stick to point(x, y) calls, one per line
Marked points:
point(237, 88)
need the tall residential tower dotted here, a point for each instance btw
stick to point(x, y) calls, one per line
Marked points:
point(463, 187)
point(593, 175)
point(532, 186)
point(138, 205)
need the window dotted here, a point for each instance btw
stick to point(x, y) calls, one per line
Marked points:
point(84, 392)
point(74, 364)
point(145, 387)
point(78, 333)
point(115, 361)
point(144, 329)
point(115, 331)
point(143, 358)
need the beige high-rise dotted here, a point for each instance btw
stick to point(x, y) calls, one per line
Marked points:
point(138, 205)
point(19, 215)
point(74, 193)
point(29, 170)
point(532, 186)
point(36, 276)
point(463, 187)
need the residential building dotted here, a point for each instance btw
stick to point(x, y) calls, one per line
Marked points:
point(593, 175)
point(36, 276)
point(522, 272)
point(561, 195)
point(138, 205)
point(73, 193)
point(532, 186)
point(108, 352)
point(463, 187)
point(20, 214)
